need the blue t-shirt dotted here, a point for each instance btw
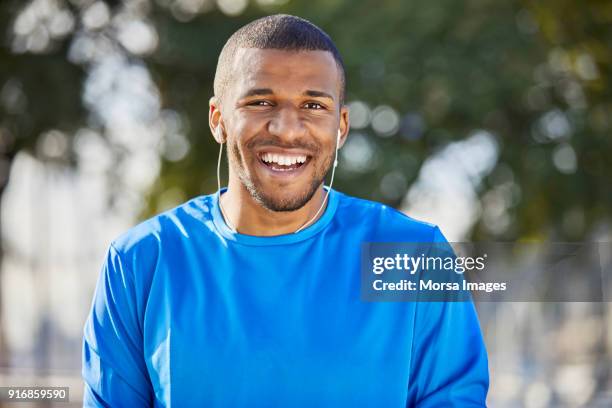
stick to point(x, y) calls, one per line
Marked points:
point(188, 313)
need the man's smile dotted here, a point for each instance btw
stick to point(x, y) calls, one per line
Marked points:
point(283, 162)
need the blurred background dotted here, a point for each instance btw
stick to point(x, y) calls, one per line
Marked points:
point(492, 119)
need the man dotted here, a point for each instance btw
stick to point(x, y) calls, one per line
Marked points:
point(250, 297)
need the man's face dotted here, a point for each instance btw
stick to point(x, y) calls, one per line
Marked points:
point(281, 113)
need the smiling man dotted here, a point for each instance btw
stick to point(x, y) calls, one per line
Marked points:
point(276, 109)
point(250, 297)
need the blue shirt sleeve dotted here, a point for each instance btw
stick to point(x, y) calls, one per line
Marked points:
point(114, 370)
point(449, 366)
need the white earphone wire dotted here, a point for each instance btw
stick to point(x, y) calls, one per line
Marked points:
point(331, 181)
point(227, 221)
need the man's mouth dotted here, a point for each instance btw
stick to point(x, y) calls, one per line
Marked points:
point(283, 162)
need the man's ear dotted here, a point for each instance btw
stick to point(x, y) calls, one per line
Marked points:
point(343, 125)
point(214, 120)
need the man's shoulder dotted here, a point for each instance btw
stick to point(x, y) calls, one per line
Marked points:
point(386, 222)
point(174, 223)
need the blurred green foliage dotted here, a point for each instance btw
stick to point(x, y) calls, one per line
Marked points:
point(534, 75)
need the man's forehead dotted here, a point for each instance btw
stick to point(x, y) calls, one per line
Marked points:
point(253, 67)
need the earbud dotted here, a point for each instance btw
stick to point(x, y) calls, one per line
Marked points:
point(337, 146)
point(219, 134)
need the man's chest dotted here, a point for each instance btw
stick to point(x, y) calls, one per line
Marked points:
point(273, 332)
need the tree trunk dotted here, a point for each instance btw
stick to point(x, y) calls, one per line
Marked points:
point(4, 178)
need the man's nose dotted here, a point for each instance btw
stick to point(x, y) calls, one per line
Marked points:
point(287, 123)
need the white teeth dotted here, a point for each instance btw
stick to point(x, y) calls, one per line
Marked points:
point(284, 160)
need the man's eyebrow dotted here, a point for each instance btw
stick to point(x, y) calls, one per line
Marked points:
point(267, 91)
point(258, 92)
point(318, 94)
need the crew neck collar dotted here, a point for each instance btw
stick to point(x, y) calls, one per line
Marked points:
point(317, 226)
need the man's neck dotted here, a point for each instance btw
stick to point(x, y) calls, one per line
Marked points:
point(249, 217)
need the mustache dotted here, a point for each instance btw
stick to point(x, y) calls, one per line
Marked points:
point(273, 141)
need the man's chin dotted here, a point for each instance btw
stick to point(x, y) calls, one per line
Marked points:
point(287, 201)
point(283, 204)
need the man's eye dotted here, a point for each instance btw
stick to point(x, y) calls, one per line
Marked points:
point(260, 103)
point(314, 105)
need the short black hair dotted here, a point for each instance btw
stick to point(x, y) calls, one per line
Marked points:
point(280, 32)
